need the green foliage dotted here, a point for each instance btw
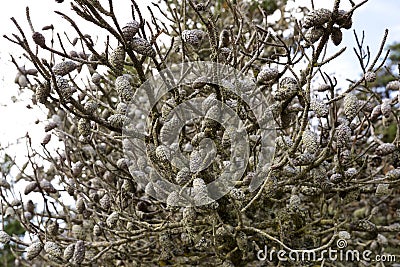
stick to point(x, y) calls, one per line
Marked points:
point(11, 227)
point(388, 72)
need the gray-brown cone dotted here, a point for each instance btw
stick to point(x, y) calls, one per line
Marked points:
point(143, 47)
point(79, 252)
point(64, 68)
point(130, 29)
point(317, 18)
point(193, 37)
point(33, 250)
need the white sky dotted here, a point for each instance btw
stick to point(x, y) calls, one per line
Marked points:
point(16, 119)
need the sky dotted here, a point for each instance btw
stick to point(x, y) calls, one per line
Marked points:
point(16, 120)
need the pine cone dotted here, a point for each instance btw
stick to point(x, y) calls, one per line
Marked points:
point(46, 139)
point(294, 202)
point(344, 19)
point(386, 108)
point(304, 159)
point(121, 108)
point(169, 129)
point(343, 135)
point(4, 237)
point(163, 153)
point(310, 191)
point(79, 252)
point(42, 92)
point(29, 206)
point(317, 18)
point(314, 34)
point(33, 250)
point(50, 126)
point(336, 178)
point(267, 74)
point(52, 249)
point(80, 205)
point(310, 141)
point(366, 106)
point(84, 127)
point(143, 47)
point(350, 106)
point(385, 149)
point(288, 80)
point(63, 86)
point(323, 87)
point(130, 29)
point(336, 36)
point(344, 235)
point(105, 202)
point(350, 173)
point(39, 39)
point(64, 68)
point(97, 230)
point(370, 76)
point(284, 142)
point(117, 59)
point(196, 160)
point(199, 186)
point(382, 190)
point(118, 120)
point(183, 176)
point(193, 37)
point(173, 199)
point(286, 91)
point(319, 107)
point(393, 85)
point(237, 194)
point(213, 115)
point(376, 112)
point(69, 252)
point(90, 106)
point(124, 88)
point(96, 78)
point(224, 38)
point(393, 174)
point(47, 187)
point(112, 219)
point(52, 228)
point(364, 226)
